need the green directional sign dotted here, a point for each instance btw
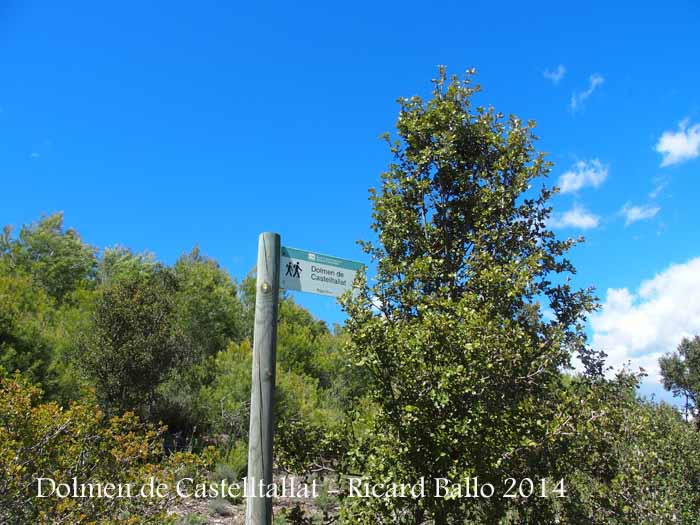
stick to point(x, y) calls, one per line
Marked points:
point(312, 272)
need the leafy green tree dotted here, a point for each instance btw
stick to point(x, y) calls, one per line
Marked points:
point(25, 313)
point(55, 257)
point(121, 263)
point(681, 374)
point(465, 370)
point(209, 308)
point(36, 328)
point(302, 340)
point(133, 341)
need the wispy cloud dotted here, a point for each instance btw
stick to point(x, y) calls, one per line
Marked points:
point(579, 98)
point(556, 75)
point(576, 217)
point(583, 173)
point(679, 146)
point(659, 184)
point(638, 213)
point(34, 155)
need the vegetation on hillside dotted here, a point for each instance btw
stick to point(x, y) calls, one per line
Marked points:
point(115, 367)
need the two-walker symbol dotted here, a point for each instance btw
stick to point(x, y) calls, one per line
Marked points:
point(303, 271)
point(293, 270)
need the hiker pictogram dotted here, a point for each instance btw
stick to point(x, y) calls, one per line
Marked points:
point(293, 270)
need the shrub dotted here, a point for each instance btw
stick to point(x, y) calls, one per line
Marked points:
point(192, 519)
point(220, 507)
point(46, 441)
point(295, 516)
point(225, 472)
point(237, 458)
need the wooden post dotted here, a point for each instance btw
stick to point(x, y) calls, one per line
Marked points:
point(259, 509)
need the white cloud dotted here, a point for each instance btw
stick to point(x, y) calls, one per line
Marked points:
point(638, 213)
point(556, 75)
point(583, 173)
point(576, 217)
point(681, 145)
point(577, 99)
point(34, 155)
point(642, 326)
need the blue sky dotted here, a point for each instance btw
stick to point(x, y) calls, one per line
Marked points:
point(162, 126)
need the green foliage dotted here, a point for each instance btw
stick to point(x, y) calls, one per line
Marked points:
point(220, 507)
point(133, 341)
point(681, 374)
point(45, 441)
point(226, 398)
point(46, 281)
point(25, 311)
point(236, 460)
point(294, 516)
point(465, 371)
point(172, 344)
point(233, 468)
point(247, 289)
point(209, 317)
point(301, 339)
point(192, 519)
point(308, 422)
point(209, 309)
point(446, 367)
point(306, 347)
point(55, 257)
point(326, 501)
point(625, 461)
point(121, 263)
point(223, 471)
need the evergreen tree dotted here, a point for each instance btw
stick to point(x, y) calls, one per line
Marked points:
point(466, 370)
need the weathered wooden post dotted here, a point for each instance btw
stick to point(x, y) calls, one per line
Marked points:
point(259, 507)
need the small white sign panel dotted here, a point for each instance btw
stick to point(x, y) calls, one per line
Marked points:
point(316, 273)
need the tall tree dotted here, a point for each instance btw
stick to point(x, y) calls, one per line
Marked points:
point(466, 369)
point(681, 374)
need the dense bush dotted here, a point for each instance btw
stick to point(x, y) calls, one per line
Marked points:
point(25, 313)
point(134, 341)
point(42, 440)
point(625, 460)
